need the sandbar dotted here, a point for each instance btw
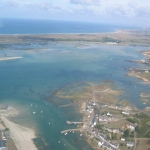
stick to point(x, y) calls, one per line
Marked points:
point(9, 58)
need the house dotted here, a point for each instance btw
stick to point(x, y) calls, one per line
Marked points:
point(122, 139)
point(130, 144)
point(125, 112)
point(108, 114)
point(132, 127)
point(2, 144)
point(129, 126)
point(100, 143)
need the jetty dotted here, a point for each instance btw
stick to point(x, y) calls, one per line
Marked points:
point(72, 122)
point(69, 130)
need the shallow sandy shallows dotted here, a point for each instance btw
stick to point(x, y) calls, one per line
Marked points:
point(22, 136)
point(9, 58)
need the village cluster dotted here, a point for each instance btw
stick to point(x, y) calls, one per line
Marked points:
point(97, 121)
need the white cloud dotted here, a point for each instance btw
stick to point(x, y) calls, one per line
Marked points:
point(42, 6)
point(121, 10)
point(86, 2)
point(12, 3)
point(144, 11)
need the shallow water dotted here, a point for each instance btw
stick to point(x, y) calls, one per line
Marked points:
point(30, 84)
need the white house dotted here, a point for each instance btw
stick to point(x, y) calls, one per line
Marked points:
point(125, 113)
point(122, 139)
point(132, 127)
point(100, 143)
point(130, 144)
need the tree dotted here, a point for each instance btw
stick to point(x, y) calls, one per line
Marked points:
point(126, 133)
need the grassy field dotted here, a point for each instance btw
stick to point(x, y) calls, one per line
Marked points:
point(112, 111)
point(117, 124)
point(143, 144)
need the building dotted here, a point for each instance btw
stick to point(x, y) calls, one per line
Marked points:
point(125, 112)
point(100, 143)
point(108, 114)
point(132, 127)
point(129, 126)
point(130, 144)
point(122, 139)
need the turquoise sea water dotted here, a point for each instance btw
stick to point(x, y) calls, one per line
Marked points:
point(46, 68)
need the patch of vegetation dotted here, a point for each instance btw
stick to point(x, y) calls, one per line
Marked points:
point(142, 116)
point(108, 39)
point(132, 120)
point(114, 136)
point(6, 129)
point(142, 131)
point(100, 126)
point(148, 136)
point(126, 133)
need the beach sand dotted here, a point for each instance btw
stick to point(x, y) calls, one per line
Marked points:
point(21, 136)
point(9, 58)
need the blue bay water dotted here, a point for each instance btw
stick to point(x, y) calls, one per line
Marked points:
point(25, 26)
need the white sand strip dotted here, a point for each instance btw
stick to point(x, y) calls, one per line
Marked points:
point(21, 136)
point(9, 58)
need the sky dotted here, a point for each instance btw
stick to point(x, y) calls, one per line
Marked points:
point(130, 12)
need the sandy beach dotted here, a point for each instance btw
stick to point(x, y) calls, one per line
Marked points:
point(9, 58)
point(21, 136)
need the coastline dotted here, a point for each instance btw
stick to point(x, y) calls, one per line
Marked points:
point(133, 74)
point(119, 37)
point(21, 136)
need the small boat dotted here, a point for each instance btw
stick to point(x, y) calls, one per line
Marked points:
point(34, 112)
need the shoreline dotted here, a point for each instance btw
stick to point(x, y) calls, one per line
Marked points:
point(118, 37)
point(116, 31)
point(132, 74)
point(21, 135)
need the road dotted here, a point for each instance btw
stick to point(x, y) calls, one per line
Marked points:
point(134, 140)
